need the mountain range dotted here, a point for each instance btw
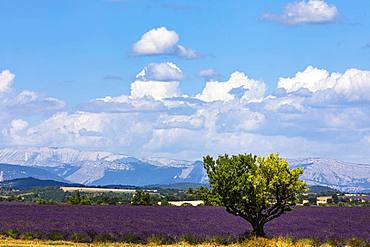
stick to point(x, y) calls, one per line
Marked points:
point(95, 167)
point(105, 168)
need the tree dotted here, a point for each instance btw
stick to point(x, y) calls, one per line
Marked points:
point(75, 198)
point(141, 198)
point(208, 197)
point(258, 189)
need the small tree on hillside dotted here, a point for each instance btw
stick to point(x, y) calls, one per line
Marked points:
point(256, 189)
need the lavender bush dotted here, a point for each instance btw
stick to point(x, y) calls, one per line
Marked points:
point(141, 222)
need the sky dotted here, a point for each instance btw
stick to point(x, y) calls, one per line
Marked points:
point(183, 79)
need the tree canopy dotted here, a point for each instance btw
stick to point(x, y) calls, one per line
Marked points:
point(258, 189)
point(141, 198)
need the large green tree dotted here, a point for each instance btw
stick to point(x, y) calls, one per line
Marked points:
point(258, 189)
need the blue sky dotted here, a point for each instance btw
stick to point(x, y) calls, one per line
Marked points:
point(71, 53)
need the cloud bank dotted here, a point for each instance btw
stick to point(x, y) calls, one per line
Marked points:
point(312, 113)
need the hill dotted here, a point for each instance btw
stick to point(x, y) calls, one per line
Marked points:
point(322, 190)
point(11, 171)
point(29, 183)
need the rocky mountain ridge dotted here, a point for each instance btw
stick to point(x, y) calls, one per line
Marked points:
point(102, 168)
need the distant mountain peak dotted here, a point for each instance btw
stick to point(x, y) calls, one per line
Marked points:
point(101, 168)
point(340, 175)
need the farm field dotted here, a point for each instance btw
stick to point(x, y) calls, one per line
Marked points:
point(141, 222)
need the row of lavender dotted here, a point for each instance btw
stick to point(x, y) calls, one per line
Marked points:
point(202, 222)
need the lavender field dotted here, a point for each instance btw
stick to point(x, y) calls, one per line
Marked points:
point(203, 222)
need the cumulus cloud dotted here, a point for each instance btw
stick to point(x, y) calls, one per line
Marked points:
point(161, 72)
point(156, 89)
point(353, 84)
point(18, 124)
point(312, 113)
point(311, 78)
point(6, 80)
point(305, 12)
point(157, 80)
point(239, 86)
point(239, 120)
point(16, 108)
point(25, 102)
point(159, 41)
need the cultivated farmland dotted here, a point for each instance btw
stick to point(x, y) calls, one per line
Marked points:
point(140, 222)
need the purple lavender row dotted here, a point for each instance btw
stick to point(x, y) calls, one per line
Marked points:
point(304, 222)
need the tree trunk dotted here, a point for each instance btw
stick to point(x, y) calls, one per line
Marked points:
point(258, 230)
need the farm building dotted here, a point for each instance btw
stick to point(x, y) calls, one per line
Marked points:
point(356, 197)
point(182, 203)
point(322, 200)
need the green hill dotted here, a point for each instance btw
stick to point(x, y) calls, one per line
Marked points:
point(29, 183)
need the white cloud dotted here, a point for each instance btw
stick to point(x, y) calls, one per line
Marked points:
point(305, 12)
point(353, 84)
point(208, 73)
point(239, 86)
point(186, 52)
point(157, 80)
point(159, 41)
point(156, 89)
point(6, 80)
point(17, 108)
point(311, 78)
point(18, 124)
point(161, 72)
point(156, 41)
point(237, 119)
point(191, 122)
point(60, 129)
point(16, 131)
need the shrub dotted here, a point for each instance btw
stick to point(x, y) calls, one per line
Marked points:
point(131, 238)
point(11, 233)
point(158, 240)
point(104, 237)
point(334, 242)
point(355, 242)
point(164, 203)
point(222, 240)
point(190, 239)
point(30, 236)
point(308, 242)
point(81, 238)
point(55, 236)
point(40, 201)
point(258, 242)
